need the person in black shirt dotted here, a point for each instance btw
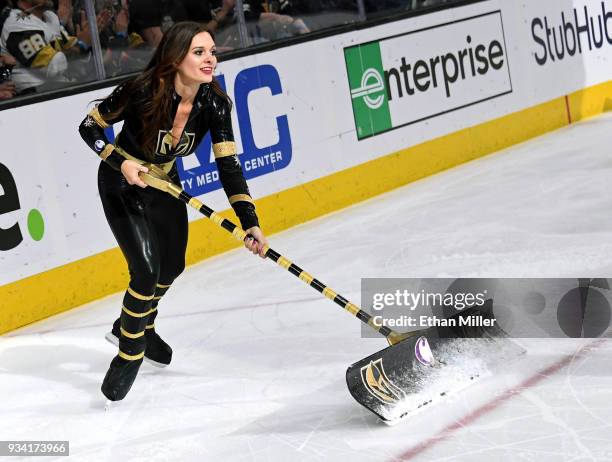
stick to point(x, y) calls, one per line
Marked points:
point(151, 18)
point(166, 110)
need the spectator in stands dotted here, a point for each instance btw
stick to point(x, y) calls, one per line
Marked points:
point(264, 24)
point(151, 18)
point(32, 33)
point(216, 14)
point(123, 52)
point(277, 21)
point(7, 86)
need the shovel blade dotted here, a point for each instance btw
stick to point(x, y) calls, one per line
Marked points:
point(414, 374)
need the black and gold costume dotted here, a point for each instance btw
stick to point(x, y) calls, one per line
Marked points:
point(149, 225)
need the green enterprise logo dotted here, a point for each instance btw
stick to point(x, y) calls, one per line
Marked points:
point(368, 93)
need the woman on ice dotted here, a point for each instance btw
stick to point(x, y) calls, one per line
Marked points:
point(166, 110)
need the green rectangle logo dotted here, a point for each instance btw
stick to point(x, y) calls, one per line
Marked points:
point(408, 78)
point(368, 93)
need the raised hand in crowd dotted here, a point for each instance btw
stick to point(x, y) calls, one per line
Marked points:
point(64, 12)
point(122, 20)
point(7, 90)
point(7, 87)
point(7, 60)
point(227, 7)
point(83, 31)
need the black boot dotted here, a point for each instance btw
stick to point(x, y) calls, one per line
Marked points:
point(131, 340)
point(157, 352)
point(119, 378)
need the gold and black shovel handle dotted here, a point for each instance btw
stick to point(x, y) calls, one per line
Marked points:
point(158, 179)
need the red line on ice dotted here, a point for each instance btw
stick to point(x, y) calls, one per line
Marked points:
point(496, 402)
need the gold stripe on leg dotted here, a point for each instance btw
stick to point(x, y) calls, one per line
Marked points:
point(163, 286)
point(135, 294)
point(127, 334)
point(131, 357)
point(137, 315)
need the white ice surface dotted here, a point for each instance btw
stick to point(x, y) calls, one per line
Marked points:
point(259, 358)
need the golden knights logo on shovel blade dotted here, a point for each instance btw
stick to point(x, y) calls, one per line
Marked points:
point(378, 384)
point(426, 369)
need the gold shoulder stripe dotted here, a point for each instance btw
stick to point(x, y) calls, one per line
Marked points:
point(224, 149)
point(107, 151)
point(240, 197)
point(95, 115)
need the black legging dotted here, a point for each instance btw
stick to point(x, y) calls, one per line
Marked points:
point(150, 227)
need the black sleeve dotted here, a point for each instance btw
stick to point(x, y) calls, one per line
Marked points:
point(228, 164)
point(92, 128)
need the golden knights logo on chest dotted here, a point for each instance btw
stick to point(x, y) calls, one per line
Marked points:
point(164, 143)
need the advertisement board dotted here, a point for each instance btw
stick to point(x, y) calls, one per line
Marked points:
point(308, 112)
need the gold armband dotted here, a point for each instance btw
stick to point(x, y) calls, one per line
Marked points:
point(240, 197)
point(224, 149)
point(107, 151)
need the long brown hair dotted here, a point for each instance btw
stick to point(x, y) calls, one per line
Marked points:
point(159, 76)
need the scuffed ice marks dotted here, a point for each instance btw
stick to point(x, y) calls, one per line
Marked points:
point(457, 364)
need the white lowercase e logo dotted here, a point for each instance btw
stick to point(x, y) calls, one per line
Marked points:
point(371, 83)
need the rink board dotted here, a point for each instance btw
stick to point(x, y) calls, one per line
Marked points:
point(297, 133)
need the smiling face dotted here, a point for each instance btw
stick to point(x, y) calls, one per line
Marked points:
point(200, 61)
